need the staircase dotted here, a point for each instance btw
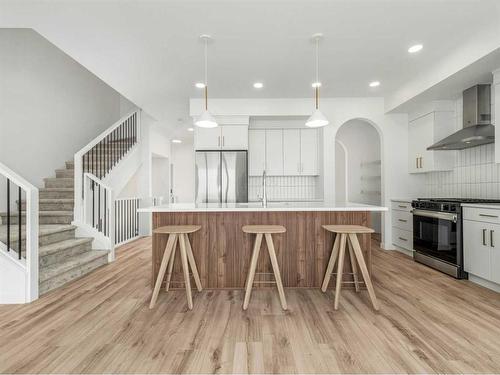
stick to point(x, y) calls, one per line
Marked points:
point(62, 256)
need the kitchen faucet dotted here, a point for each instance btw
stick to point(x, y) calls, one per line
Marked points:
point(264, 189)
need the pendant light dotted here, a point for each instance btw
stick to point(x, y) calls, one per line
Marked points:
point(317, 119)
point(206, 120)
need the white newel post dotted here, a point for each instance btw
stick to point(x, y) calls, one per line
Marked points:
point(32, 244)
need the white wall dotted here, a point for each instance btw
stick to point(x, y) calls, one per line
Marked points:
point(393, 130)
point(183, 171)
point(160, 178)
point(50, 105)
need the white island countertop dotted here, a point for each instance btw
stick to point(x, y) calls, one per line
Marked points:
point(255, 206)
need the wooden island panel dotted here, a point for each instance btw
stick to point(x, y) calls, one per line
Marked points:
point(222, 251)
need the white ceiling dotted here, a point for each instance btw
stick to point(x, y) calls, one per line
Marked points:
point(149, 50)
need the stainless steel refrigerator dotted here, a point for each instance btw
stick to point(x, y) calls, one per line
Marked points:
point(221, 176)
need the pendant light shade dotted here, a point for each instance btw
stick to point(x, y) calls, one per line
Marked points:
point(206, 119)
point(317, 119)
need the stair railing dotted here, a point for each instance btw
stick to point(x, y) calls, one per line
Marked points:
point(16, 258)
point(98, 211)
point(126, 219)
point(103, 153)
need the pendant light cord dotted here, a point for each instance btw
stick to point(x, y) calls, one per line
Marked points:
point(206, 75)
point(317, 72)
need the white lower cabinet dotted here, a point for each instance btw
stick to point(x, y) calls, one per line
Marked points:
point(402, 226)
point(481, 243)
point(477, 248)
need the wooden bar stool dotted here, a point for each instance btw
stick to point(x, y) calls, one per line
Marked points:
point(265, 230)
point(177, 233)
point(348, 234)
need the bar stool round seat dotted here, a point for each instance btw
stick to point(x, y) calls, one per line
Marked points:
point(177, 234)
point(255, 229)
point(179, 229)
point(266, 231)
point(347, 235)
point(356, 229)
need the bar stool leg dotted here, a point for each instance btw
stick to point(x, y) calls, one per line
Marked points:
point(340, 271)
point(192, 263)
point(251, 270)
point(331, 263)
point(185, 269)
point(364, 271)
point(171, 264)
point(161, 274)
point(276, 269)
point(354, 268)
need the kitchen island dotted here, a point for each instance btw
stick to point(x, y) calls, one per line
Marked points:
point(222, 251)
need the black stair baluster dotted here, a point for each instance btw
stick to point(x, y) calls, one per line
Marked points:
point(93, 204)
point(20, 220)
point(8, 215)
point(105, 215)
point(99, 222)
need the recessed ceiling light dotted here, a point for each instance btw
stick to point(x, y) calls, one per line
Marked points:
point(415, 48)
point(200, 85)
point(190, 129)
point(176, 141)
point(374, 84)
point(258, 85)
point(316, 84)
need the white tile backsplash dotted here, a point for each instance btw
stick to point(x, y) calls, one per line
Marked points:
point(284, 188)
point(475, 175)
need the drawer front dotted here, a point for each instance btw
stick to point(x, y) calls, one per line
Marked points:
point(402, 238)
point(488, 215)
point(401, 206)
point(402, 220)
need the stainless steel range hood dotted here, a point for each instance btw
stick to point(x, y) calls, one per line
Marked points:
point(477, 128)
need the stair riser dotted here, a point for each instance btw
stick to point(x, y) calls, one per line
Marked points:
point(43, 240)
point(59, 183)
point(41, 220)
point(63, 255)
point(53, 206)
point(57, 194)
point(73, 274)
point(65, 173)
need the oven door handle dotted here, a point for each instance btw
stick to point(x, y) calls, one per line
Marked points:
point(436, 215)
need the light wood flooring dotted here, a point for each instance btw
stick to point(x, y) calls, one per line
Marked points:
point(427, 323)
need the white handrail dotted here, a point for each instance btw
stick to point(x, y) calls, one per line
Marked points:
point(105, 133)
point(78, 162)
point(30, 266)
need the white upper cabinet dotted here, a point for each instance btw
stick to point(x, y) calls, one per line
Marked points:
point(207, 138)
point(234, 137)
point(424, 130)
point(225, 137)
point(283, 152)
point(291, 152)
point(309, 152)
point(274, 148)
point(256, 152)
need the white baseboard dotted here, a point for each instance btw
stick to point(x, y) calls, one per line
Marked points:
point(404, 251)
point(483, 282)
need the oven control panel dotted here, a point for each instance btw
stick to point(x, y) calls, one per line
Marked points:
point(436, 206)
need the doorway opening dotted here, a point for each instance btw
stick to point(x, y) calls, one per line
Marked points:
point(358, 168)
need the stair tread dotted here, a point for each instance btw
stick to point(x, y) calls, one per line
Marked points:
point(54, 270)
point(61, 245)
point(42, 213)
point(59, 178)
point(56, 189)
point(44, 230)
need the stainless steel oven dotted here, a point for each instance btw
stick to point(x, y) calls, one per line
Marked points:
point(437, 237)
